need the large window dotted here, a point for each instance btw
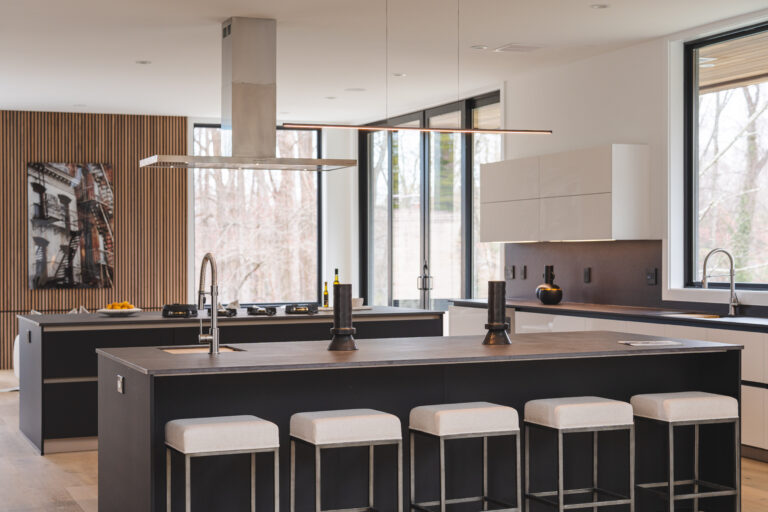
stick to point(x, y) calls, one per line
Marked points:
point(262, 226)
point(727, 154)
point(423, 205)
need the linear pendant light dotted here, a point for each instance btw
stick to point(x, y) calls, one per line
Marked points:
point(377, 128)
point(390, 128)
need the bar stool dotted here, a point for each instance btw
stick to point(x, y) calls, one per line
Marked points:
point(463, 421)
point(573, 415)
point(224, 435)
point(690, 408)
point(342, 429)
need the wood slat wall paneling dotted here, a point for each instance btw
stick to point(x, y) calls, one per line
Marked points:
point(150, 209)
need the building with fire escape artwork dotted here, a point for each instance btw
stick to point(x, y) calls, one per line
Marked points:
point(71, 225)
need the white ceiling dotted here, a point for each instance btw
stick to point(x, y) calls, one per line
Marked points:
point(79, 55)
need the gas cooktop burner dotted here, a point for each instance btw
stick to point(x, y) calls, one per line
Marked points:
point(179, 310)
point(262, 310)
point(308, 308)
point(225, 312)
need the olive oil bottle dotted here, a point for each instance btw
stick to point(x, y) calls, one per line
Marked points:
point(336, 276)
point(325, 295)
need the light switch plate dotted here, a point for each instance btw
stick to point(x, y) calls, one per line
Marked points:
point(652, 276)
point(121, 384)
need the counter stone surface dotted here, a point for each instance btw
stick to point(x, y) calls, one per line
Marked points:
point(156, 317)
point(313, 355)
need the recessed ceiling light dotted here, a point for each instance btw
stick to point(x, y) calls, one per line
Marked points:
point(517, 48)
point(330, 97)
point(399, 75)
point(599, 6)
point(479, 47)
point(355, 89)
point(284, 112)
point(143, 62)
point(79, 105)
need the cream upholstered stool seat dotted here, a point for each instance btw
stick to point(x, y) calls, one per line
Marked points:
point(685, 409)
point(224, 435)
point(461, 421)
point(341, 429)
point(570, 415)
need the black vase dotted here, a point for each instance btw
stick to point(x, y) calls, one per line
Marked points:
point(549, 293)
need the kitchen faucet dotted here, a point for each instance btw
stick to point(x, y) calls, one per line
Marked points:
point(213, 336)
point(734, 301)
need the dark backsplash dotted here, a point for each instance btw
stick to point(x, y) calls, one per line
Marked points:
point(618, 274)
point(617, 270)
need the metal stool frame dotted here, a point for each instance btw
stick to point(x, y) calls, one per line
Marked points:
point(485, 499)
point(562, 492)
point(671, 483)
point(187, 480)
point(318, 489)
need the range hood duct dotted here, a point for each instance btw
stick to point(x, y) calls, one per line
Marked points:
point(248, 106)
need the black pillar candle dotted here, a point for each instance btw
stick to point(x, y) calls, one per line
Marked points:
point(342, 329)
point(497, 325)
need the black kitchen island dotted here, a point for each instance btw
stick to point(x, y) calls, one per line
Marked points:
point(275, 380)
point(58, 356)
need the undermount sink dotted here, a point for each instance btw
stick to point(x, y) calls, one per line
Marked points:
point(196, 350)
point(690, 315)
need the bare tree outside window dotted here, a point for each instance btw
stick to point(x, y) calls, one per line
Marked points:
point(732, 166)
point(261, 225)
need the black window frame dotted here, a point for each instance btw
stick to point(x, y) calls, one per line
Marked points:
point(319, 281)
point(465, 107)
point(690, 151)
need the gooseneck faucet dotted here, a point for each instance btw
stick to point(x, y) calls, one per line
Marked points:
point(734, 301)
point(213, 336)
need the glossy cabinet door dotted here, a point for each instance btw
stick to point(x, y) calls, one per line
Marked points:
point(464, 321)
point(598, 193)
point(584, 171)
point(754, 358)
point(509, 180)
point(510, 221)
point(586, 217)
point(754, 402)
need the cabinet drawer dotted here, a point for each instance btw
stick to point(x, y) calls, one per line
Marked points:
point(541, 322)
point(70, 410)
point(509, 180)
point(576, 217)
point(73, 353)
point(516, 221)
point(586, 171)
point(753, 417)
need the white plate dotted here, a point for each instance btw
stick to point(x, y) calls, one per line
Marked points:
point(119, 312)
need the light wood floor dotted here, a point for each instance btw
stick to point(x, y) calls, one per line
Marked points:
point(66, 482)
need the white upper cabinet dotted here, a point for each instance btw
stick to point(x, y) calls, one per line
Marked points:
point(599, 193)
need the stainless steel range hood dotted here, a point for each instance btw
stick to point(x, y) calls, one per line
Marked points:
point(248, 106)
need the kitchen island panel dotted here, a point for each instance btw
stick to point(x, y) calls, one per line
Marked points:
point(275, 394)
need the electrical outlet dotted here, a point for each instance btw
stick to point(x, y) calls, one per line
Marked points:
point(651, 276)
point(587, 274)
point(509, 272)
point(121, 384)
point(524, 272)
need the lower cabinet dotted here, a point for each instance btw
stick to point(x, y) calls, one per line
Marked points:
point(754, 419)
point(754, 358)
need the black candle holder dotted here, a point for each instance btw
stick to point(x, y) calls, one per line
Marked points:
point(497, 325)
point(342, 330)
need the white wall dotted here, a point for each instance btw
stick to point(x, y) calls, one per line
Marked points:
point(340, 211)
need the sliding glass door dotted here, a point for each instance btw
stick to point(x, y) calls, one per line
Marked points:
point(423, 206)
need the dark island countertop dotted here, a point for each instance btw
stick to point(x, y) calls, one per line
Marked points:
point(630, 313)
point(155, 318)
point(312, 355)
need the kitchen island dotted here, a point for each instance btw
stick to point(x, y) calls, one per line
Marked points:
point(58, 356)
point(275, 380)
